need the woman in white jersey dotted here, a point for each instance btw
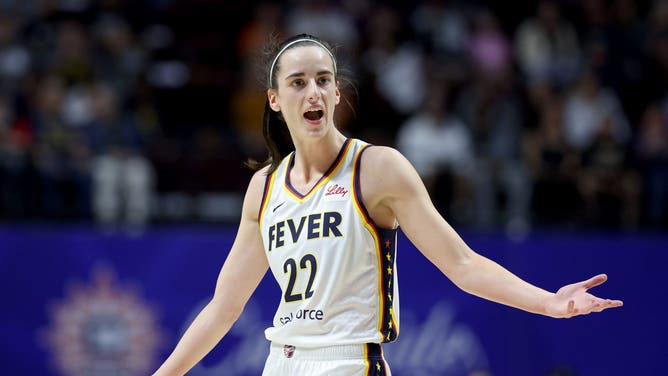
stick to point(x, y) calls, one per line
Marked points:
point(322, 212)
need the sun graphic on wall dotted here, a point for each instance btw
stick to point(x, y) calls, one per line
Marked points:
point(103, 329)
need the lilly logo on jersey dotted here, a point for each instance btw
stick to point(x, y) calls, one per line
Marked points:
point(335, 192)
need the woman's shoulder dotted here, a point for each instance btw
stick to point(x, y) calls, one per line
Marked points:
point(255, 193)
point(385, 176)
point(385, 166)
point(259, 178)
point(380, 155)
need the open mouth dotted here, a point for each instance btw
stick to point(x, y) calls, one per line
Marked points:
point(313, 115)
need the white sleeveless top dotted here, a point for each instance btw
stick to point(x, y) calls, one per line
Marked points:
point(335, 267)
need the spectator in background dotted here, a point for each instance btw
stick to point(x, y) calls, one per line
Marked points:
point(589, 106)
point(119, 59)
point(398, 61)
point(490, 106)
point(395, 77)
point(609, 187)
point(246, 113)
point(72, 58)
point(18, 182)
point(122, 177)
point(319, 17)
point(624, 67)
point(17, 186)
point(440, 147)
point(651, 150)
point(489, 47)
point(547, 47)
point(60, 155)
point(657, 17)
point(554, 167)
point(658, 49)
point(246, 104)
point(265, 21)
point(442, 28)
point(15, 58)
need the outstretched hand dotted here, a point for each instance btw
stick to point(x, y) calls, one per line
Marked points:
point(572, 300)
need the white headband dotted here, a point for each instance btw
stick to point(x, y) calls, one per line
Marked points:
point(273, 63)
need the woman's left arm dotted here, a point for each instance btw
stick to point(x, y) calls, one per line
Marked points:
point(391, 185)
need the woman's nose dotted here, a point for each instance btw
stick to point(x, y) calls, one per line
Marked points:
point(313, 93)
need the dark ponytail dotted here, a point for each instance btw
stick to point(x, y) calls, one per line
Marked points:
point(276, 138)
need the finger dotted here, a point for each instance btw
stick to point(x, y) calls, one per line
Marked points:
point(598, 306)
point(613, 303)
point(595, 281)
point(607, 303)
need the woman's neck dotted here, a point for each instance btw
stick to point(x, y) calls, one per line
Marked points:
point(314, 157)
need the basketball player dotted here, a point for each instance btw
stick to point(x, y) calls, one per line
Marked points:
point(322, 214)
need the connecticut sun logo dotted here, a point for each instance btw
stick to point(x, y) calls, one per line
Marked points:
point(101, 329)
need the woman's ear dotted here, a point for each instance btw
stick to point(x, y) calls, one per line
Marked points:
point(273, 100)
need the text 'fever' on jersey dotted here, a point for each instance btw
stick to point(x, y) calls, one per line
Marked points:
point(317, 225)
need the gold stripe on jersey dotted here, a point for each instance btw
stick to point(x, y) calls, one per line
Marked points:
point(338, 162)
point(366, 360)
point(268, 186)
point(388, 327)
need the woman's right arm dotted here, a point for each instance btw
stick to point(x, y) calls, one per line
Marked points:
point(240, 275)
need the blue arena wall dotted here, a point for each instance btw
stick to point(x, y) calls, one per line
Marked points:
point(77, 301)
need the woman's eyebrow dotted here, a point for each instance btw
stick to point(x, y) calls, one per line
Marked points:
point(300, 74)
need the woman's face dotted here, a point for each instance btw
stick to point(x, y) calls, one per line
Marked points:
point(306, 92)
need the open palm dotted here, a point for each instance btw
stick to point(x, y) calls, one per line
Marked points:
point(572, 300)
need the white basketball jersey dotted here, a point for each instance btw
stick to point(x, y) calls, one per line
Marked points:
point(335, 267)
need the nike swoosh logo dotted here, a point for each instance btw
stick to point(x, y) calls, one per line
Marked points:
point(277, 206)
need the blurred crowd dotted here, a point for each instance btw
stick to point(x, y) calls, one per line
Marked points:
point(543, 113)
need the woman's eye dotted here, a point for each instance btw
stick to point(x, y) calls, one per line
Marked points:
point(297, 83)
point(324, 80)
